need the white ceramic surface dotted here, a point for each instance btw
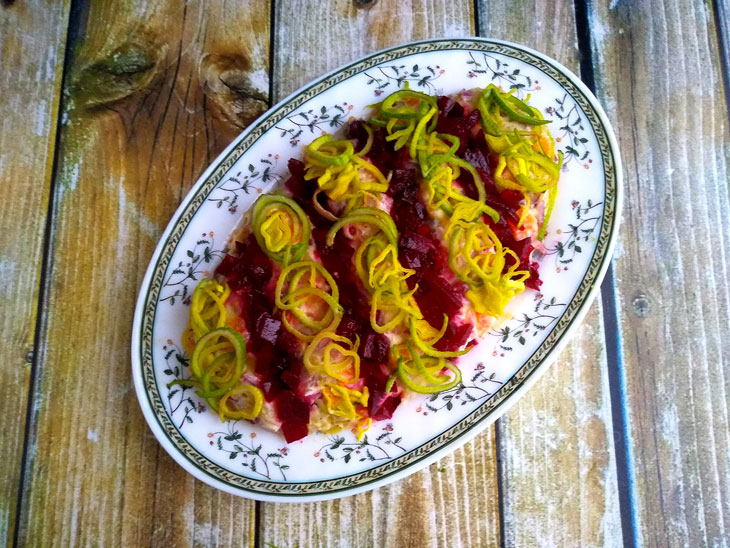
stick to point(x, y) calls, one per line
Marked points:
point(249, 461)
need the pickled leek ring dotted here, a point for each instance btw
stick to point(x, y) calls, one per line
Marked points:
point(368, 144)
point(281, 228)
point(415, 105)
point(325, 363)
point(293, 300)
point(341, 179)
point(478, 248)
point(406, 374)
point(217, 364)
point(493, 103)
point(330, 152)
point(341, 400)
point(255, 402)
point(207, 307)
point(367, 215)
point(426, 348)
point(552, 196)
point(223, 340)
point(420, 128)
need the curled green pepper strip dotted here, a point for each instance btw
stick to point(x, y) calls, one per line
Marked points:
point(281, 228)
point(415, 104)
point(433, 385)
point(217, 364)
point(482, 193)
point(426, 348)
point(367, 215)
point(420, 127)
point(205, 351)
point(329, 152)
point(255, 402)
point(552, 195)
point(368, 144)
point(292, 300)
point(429, 160)
point(515, 109)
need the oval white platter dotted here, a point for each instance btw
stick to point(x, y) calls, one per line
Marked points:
point(246, 460)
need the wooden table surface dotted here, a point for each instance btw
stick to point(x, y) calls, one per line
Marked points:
point(110, 110)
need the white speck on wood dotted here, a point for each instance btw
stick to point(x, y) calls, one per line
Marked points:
point(206, 534)
point(260, 80)
point(92, 435)
point(40, 122)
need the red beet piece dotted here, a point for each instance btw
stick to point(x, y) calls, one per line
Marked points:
point(348, 327)
point(381, 405)
point(454, 337)
point(374, 347)
point(294, 431)
point(459, 127)
point(288, 343)
point(293, 412)
point(449, 108)
point(268, 328)
point(436, 297)
point(416, 251)
point(381, 152)
point(404, 184)
point(292, 377)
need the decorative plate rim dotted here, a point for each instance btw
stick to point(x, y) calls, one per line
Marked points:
point(483, 415)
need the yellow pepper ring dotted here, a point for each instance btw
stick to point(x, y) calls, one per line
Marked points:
point(330, 152)
point(254, 402)
point(296, 297)
point(281, 228)
point(207, 307)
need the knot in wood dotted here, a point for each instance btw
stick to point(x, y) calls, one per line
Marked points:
point(641, 305)
point(236, 89)
point(126, 70)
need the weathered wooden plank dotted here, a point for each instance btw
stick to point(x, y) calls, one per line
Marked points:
point(32, 46)
point(155, 91)
point(722, 20)
point(313, 38)
point(451, 503)
point(558, 470)
point(658, 74)
point(454, 502)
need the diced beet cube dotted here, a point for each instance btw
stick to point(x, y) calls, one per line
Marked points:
point(404, 184)
point(296, 168)
point(227, 266)
point(436, 297)
point(288, 343)
point(267, 328)
point(380, 153)
point(454, 337)
point(409, 216)
point(534, 281)
point(374, 347)
point(476, 157)
point(383, 406)
point(458, 127)
point(294, 431)
point(449, 108)
point(348, 327)
point(512, 197)
point(271, 388)
point(291, 408)
point(416, 251)
point(292, 377)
